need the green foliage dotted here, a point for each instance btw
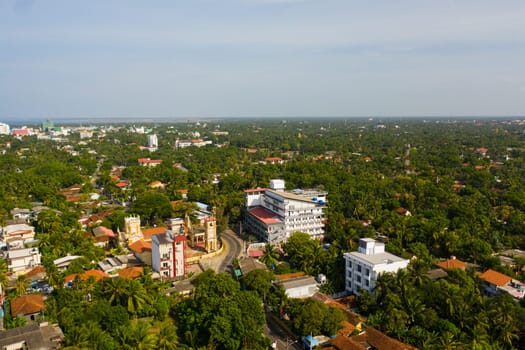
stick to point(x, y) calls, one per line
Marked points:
point(311, 316)
point(259, 281)
point(222, 314)
point(153, 207)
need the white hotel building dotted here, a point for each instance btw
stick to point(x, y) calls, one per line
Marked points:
point(273, 213)
point(364, 266)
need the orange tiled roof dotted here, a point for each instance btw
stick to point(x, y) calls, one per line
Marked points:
point(452, 264)
point(147, 233)
point(36, 271)
point(344, 343)
point(381, 341)
point(131, 272)
point(140, 246)
point(496, 278)
point(27, 305)
point(84, 276)
point(288, 276)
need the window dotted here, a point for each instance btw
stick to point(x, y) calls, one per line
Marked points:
point(358, 279)
point(165, 264)
point(349, 285)
point(367, 272)
point(367, 283)
point(350, 274)
point(349, 264)
point(358, 268)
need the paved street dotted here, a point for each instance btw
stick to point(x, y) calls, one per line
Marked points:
point(233, 250)
point(275, 333)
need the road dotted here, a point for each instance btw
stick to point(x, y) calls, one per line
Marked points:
point(277, 335)
point(232, 250)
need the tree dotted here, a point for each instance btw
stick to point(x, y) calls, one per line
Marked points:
point(270, 257)
point(22, 283)
point(259, 281)
point(153, 207)
point(220, 313)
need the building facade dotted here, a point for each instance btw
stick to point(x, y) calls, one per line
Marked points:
point(273, 213)
point(168, 256)
point(364, 266)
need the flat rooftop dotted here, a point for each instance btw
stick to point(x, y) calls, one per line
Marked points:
point(377, 259)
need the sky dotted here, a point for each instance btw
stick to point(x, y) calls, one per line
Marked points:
point(63, 59)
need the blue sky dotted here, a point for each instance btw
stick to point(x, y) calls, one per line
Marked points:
point(254, 58)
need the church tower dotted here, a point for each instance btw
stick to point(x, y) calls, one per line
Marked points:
point(210, 227)
point(132, 229)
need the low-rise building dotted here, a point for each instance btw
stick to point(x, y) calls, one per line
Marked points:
point(300, 287)
point(497, 283)
point(364, 266)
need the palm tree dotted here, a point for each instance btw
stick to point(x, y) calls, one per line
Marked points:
point(3, 276)
point(138, 335)
point(270, 256)
point(116, 290)
point(136, 297)
point(22, 283)
point(168, 339)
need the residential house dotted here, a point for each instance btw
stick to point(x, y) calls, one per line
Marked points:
point(131, 272)
point(452, 263)
point(149, 162)
point(142, 251)
point(22, 233)
point(28, 306)
point(63, 263)
point(497, 283)
point(273, 160)
point(364, 266)
point(19, 260)
point(97, 275)
point(103, 236)
point(273, 214)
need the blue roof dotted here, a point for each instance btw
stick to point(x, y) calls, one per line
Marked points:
point(310, 340)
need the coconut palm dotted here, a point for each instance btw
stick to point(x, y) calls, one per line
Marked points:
point(270, 257)
point(168, 339)
point(22, 283)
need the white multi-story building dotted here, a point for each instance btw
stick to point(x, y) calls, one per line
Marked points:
point(153, 141)
point(364, 266)
point(273, 213)
point(168, 255)
point(19, 260)
point(4, 129)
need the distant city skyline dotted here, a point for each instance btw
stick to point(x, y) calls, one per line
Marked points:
point(87, 60)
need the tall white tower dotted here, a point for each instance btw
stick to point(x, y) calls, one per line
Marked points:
point(153, 141)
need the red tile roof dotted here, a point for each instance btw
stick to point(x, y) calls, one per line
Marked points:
point(381, 341)
point(288, 276)
point(27, 305)
point(97, 274)
point(255, 190)
point(255, 253)
point(149, 161)
point(140, 246)
point(264, 215)
point(496, 278)
point(131, 272)
point(147, 233)
point(452, 264)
